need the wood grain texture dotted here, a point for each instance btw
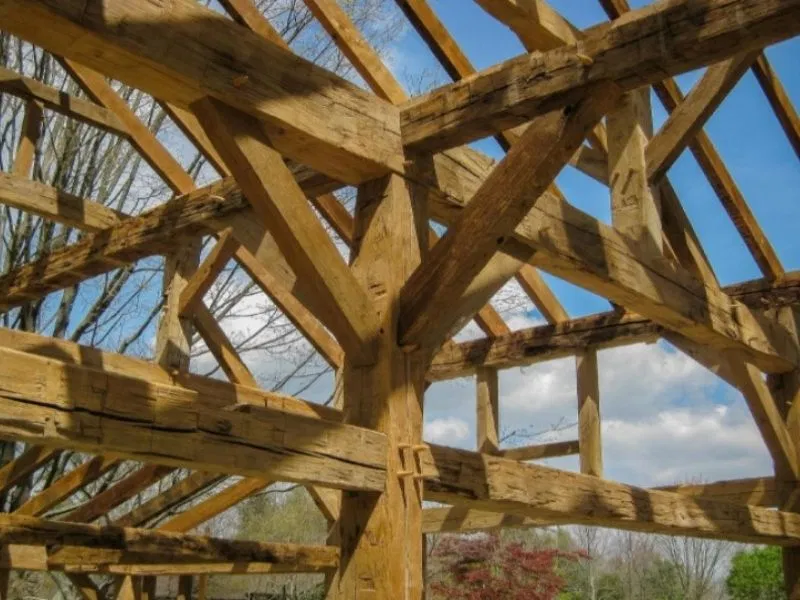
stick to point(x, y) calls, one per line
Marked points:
point(631, 52)
point(322, 121)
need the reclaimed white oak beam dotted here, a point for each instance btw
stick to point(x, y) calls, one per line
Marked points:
point(487, 482)
point(77, 407)
point(779, 100)
point(312, 115)
point(632, 51)
point(692, 114)
point(541, 451)
point(432, 303)
point(77, 543)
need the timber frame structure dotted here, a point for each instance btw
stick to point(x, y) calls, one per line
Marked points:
point(284, 134)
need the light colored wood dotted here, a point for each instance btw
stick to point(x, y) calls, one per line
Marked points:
point(85, 409)
point(202, 587)
point(246, 13)
point(635, 205)
point(24, 465)
point(66, 485)
point(76, 542)
point(692, 114)
point(381, 537)
point(369, 65)
point(216, 504)
point(541, 343)
point(541, 295)
point(280, 203)
point(156, 231)
point(459, 519)
point(772, 426)
point(540, 451)
point(130, 588)
point(488, 410)
point(779, 100)
point(221, 348)
point(55, 205)
point(431, 297)
point(178, 493)
point(757, 491)
point(30, 134)
point(203, 278)
point(578, 248)
point(102, 503)
point(86, 588)
point(327, 123)
point(628, 52)
point(537, 24)
point(486, 482)
point(208, 392)
point(84, 111)
point(589, 424)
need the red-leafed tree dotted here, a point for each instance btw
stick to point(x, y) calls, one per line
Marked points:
point(486, 567)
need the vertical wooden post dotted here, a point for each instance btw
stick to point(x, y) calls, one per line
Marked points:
point(29, 139)
point(202, 587)
point(785, 390)
point(130, 588)
point(488, 405)
point(589, 434)
point(381, 534)
point(185, 587)
point(149, 584)
point(635, 205)
point(5, 584)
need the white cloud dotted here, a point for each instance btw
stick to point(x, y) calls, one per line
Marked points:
point(449, 430)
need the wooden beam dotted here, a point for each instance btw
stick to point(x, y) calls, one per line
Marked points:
point(66, 485)
point(630, 52)
point(589, 424)
point(77, 542)
point(97, 411)
point(541, 343)
point(209, 392)
point(488, 411)
point(453, 519)
point(507, 194)
point(121, 491)
point(541, 451)
point(177, 494)
point(381, 535)
point(157, 231)
point(779, 100)
point(280, 203)
point(536, 23)
point(202, 280)
point(84, 111)
point(214, 505)
point(578, 248)
point(86, 588)
point(491, 483)
point(221, 348)
point(24, 465)
point(692, 114)
point(756, 491)
point(30, 134)
point(326, 122)
point(635, 205)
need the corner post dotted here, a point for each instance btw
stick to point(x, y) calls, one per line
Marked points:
point(381, 534)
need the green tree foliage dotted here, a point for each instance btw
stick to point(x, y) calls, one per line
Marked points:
point(756, 575)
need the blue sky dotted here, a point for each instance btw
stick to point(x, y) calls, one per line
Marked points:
point(665, 418)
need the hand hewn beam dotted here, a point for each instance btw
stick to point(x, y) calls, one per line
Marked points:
point(89, 544)
point(574, 246)
point(432, 299)
point(490, 483)
point(84, 111)
point(280, 204)
point(155, 232)
point(541, 451)
point(779, 100)
point(692, 114)
point(73, 406)
point(182, 52)
point(646, 46)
